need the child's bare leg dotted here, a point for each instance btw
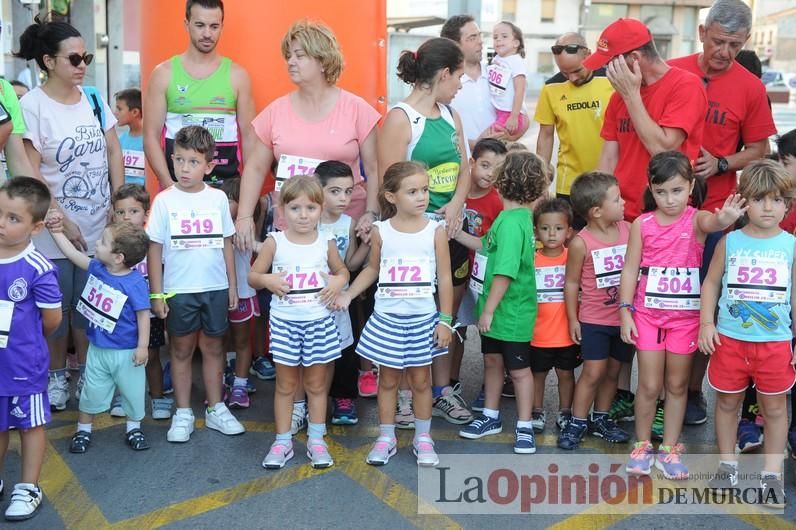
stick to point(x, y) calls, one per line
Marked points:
point(34, 444)
point(566, 388)
point(538, 390)
point(316, 390)
point(287, 379)
point(775, 413)
point(182, 348)
point(726, 419)
point(212, 366)
point(678, 373)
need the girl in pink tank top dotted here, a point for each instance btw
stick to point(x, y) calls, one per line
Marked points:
point(659, 300)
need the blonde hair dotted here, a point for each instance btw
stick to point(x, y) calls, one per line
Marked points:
point(762, 178)
point(319, 42)
point(299, 185)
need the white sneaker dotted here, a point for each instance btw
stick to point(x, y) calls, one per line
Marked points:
point(278, 455)
point(298, 421)
point(318, 453)
point(117, 411)
point(25, 501)
point(57, 391)
point(161, 408)
point(222, 420)
point(181, 427)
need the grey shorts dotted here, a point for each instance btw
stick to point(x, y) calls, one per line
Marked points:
point(191, 312)
point(72, 281)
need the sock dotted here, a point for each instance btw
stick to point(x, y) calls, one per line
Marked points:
point(315, 431)
point(771, 474)
point(422, 426)
point(84, 427)
point(491, 413)
point(598, 415)
point(284, 438)
point(230, 355)
point(387, 430)
point(436, 391)
point(133, 425)
point(524, 424)
point(731, 463)
point(300, 405)
point(240, 381)
point(185, 411)
point(363, 372)
point(578, 421)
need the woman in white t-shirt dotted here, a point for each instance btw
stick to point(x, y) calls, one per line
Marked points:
point(72, 145)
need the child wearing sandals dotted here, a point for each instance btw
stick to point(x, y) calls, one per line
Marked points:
point(116, 303)
point(409, 258)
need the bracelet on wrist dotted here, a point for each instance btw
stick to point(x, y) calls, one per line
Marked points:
point(629, 307)
point(161, 296)
point(374, 213)
point(448, 319)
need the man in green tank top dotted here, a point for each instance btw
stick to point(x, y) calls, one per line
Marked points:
point(199, 87)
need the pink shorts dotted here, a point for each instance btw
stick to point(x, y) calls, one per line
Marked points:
point(247, 308)
point(767, 363)
point(502, 115)
point(678, 337)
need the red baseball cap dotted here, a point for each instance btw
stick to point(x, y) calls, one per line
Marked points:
point(622, 36)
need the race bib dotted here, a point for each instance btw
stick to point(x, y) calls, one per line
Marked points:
point(6, 313)
point(405, 278)
point(550, 284)
point(672, 288)
point(754, 279)
point(499, 78)
point(478, 273)
point(101, 304)
point(133, 163)
point(192, 229)
point(608, 264)
point(306, 282)
point(291, 165)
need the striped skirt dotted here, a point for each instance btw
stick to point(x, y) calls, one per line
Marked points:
point(295, 343)
point(399, 341)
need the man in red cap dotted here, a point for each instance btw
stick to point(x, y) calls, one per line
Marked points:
point(654, 107)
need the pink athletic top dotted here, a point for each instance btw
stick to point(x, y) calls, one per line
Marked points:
point(599, 306)
point(672, 246)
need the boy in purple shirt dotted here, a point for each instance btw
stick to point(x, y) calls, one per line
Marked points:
point(30, 309)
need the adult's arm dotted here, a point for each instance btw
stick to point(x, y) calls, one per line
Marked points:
point(393, 139)
point(257, 166)
point(544, 142)
point(154, 119)
point(370, 163)
point(453, 209)
point(244, 110)
point(609, 157)
point(115, 159)
point(16, 158)
point(707, 164)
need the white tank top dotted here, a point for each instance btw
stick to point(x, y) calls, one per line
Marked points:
point(303, 264)
point(407, 270)
point(243, 264)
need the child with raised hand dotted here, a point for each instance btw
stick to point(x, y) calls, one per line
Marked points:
point(191, 231)
point(116, 304)
point(307, 275)
point(409, 257)
point(30, 309)
point(751, 280)
point(659, 310)
point(507, 78)
point(552, 346)
point(131, 205)
point(595, 258)
point(505, 282)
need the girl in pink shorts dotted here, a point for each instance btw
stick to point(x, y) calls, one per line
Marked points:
point(659, 301)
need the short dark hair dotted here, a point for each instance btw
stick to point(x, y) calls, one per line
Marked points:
point(489, 144)
point(589, 190)
point(31, 190)
point(332, 169)
point(131, 97)
point(422, 66)
point(521, 177)
point(786, 144)
point(231, 188)
point(207, 4)
point(556, 205)
point(132, 191)
point(130, 241)
point(749, 60)
point(197, 139)
point(15, 82)
point(452, 29)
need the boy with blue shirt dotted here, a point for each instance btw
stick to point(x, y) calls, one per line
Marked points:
point(128, 112)
point(115, 302)
point(30, 309)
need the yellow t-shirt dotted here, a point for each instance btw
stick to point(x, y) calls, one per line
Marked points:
point(577, 113)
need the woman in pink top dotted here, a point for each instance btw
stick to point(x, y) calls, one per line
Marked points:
point(660, 311)
point(318, 121)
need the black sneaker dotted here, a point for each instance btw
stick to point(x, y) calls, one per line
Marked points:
point(773, 492)
point(508, 388)
point(571, 436)
point(696, 409)
point(725, 479)
point(607, 429)
point(80, 442)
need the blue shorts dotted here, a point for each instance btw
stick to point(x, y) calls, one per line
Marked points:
point(24, 412)
point(598, 342)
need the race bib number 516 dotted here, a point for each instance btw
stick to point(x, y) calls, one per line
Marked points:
point(101, 304)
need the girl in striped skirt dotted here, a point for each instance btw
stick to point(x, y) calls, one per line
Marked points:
point(307, 274)
point(409, 258)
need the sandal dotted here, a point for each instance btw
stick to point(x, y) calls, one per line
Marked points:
point(135, 439)
point(80, 442)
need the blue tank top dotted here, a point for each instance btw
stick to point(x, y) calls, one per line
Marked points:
point(755, 294)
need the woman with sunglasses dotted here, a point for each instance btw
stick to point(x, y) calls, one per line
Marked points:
point(72, 146)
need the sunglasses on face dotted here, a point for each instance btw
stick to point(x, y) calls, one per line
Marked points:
point(75, 58)
point(569, 48)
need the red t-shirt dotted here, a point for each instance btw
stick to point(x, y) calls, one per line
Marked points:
point(788, 224)
point(677, 100)
point(482, 212)
point(738, 110)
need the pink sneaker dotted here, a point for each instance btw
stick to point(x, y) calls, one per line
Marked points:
point(368, 384)
point(423, 447)
point(239, 399)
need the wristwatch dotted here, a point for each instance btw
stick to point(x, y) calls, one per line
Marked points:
point(722, 164)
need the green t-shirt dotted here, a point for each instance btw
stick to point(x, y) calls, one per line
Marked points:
point(509, 249)
point(9, 100)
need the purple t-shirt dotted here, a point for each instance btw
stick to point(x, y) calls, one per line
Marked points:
point(28, 283)
point(113, 300)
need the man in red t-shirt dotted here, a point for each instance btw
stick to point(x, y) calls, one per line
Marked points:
point(738, 108)
point(655, 108)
